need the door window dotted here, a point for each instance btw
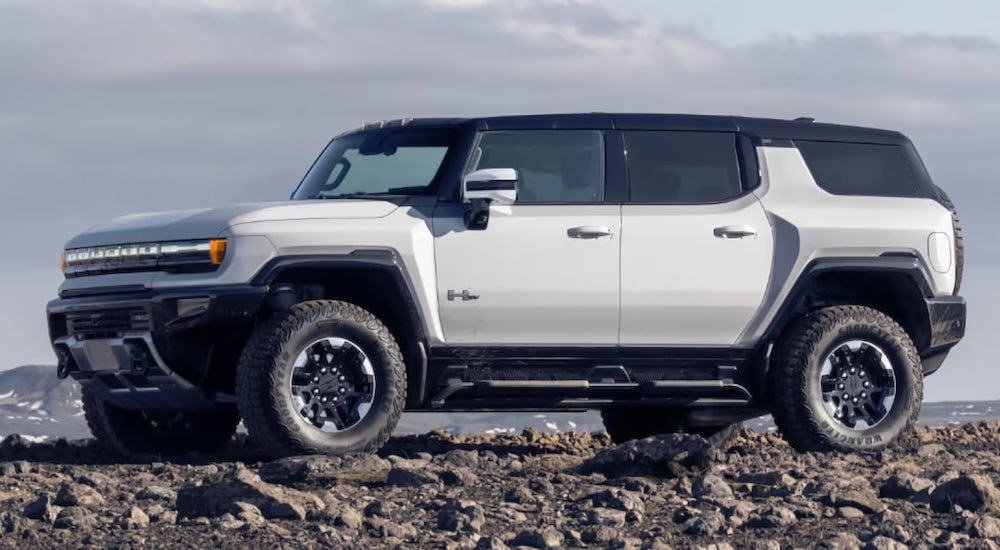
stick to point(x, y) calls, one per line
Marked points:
point(554, 166)
point(682, 167)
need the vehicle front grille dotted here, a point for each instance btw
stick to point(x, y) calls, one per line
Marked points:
point(106, 323)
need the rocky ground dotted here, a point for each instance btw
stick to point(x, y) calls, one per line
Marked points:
point(934, 490)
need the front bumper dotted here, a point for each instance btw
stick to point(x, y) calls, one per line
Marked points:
point(947, 327)
point(140, 352)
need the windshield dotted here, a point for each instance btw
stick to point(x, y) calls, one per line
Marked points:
point(379, 162)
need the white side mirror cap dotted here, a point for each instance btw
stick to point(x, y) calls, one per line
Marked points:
point(496, 185)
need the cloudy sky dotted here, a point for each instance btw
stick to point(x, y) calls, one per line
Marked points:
point(115, 107)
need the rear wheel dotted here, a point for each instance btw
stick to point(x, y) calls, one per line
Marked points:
point(165, 433)
point(845, 378)
point(323, 377)
point(624, 424)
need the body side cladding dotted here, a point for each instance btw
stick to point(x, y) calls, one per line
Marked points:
point(391, 263)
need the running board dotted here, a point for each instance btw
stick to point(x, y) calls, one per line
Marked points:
point(599, 386)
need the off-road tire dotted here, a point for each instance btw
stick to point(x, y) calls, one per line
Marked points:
point(265, 400)
point(136, 434)
point(624, 424)
point(959, 238)
point(794, 389)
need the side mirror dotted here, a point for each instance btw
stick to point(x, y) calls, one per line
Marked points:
point(497, 185)
point(485, 187)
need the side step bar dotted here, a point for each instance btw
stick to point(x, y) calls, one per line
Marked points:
point(597, 390)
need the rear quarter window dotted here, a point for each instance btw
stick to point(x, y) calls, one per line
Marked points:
point(859, 168)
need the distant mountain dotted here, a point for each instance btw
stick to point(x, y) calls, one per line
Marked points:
point(34, 403)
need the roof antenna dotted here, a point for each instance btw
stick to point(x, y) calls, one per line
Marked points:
point(805, 119)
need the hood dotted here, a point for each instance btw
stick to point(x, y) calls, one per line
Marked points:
point(182, 225)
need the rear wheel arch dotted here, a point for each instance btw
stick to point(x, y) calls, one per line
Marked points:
point(894, 285)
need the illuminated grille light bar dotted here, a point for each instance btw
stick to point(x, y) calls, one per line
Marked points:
point(202, 255)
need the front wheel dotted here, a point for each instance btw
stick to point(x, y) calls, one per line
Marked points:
point(845, 378)
point(324, 377)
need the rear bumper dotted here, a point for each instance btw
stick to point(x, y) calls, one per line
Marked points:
point(139, 350)
point(947, 317)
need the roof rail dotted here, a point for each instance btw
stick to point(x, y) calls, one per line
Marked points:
point(805, 119)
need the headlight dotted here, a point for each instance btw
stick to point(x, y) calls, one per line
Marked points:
point(202, 255)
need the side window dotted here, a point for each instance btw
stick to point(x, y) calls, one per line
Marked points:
point(682, 167)
point(859, 168)
point(555, 166)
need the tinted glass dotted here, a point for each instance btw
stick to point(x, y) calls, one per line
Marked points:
point(859, 168)
point(556, 166)
point(381, 162)
point(682, 167)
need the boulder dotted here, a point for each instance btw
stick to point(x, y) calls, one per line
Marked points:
point(975, 493)
point(41, 509)
point(76, 494)
point(218, 494)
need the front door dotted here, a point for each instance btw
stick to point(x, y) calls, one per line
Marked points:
point(545, 270)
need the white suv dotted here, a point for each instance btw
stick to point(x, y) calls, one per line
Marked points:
point(677, 272)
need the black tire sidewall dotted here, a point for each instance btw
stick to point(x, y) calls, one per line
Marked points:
point(899, 416)
point(386, 384)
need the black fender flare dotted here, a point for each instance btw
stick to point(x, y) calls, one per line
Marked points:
point(388, 260)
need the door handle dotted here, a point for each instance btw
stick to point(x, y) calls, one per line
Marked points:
point(735, 231)
point(589, 232)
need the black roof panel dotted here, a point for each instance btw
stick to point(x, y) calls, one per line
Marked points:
point(760, 127)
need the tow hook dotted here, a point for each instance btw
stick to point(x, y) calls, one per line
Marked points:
point(65, 365)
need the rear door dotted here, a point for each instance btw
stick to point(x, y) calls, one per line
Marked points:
point(696, 245)
point(545, 270)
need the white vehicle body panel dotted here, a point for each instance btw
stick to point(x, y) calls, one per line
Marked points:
point(536, 284)
point(810, 223)
point(683, 285)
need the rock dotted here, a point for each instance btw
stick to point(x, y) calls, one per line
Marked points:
point(75, 494)
point(463, 516)
point(296, 469)
point(379, 508)
point(850, 512)
point(491, 543)
point(547, 537)
point(459, 477)
point(41, 509)
point(598, 535)
point(708, 523)
point(885, 543)
point(772, 517)
point(383, 528)
point(620, 499)
point(410, 477)
point(248, 513)
point(348, 517)
point(841, 541)
point(7, 469)
point(156, 492)
point(606, 516)
point(905, 486)
point(657, 456)
point(75, 517)
point(972, 492)
point(711, 487)
point(97, 480)
point(135, 518)
point(218, 494)
point(985, 527)
point(520, 494)
point(863, 500)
